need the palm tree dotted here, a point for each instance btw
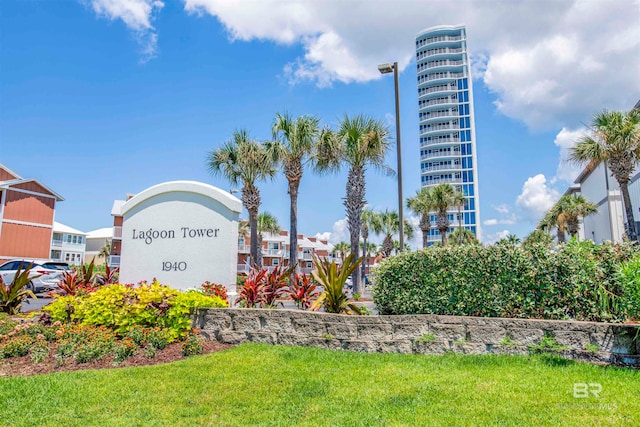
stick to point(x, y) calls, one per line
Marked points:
point(576, 206)
point(566, 213)
point(422, 204)
point(462, 236)
point(554, 218)
point(367, 218)
point(342, 248)
point(293, 146)
point(615, 140)
point(388, 224)
point(358, 142)
point(105, 252)
point(267, 223)
point(244, 161)
point(444, 196)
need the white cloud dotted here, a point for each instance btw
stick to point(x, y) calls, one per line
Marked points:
point(494, 237)
point(503, 208)
point(566, 139)
point(136, 15)
point(546, 65)
point(340, 233)
point(536, 197)
point(505, 221)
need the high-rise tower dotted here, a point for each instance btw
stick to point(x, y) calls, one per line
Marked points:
point(445, 115)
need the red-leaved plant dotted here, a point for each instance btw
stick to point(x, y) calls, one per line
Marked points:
point(275, 287)
point(109, 277)
point(302, 291)
point(215, 289)
point(250, 293)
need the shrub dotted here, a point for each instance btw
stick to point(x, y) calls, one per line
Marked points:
point(39, 351)
point(16, 346)
point(85, 342)
point(123, 349)
point(6, 324)
point(302, 291)
point(123, 308)
point(630, 277)
point(572, 282)
point(215, 289)
point(250, 292)
point(138, 334)
point(158, 338)
point(274, 286)
point(191, 345)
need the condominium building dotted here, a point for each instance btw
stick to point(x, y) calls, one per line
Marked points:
point(27, 209)
point(446, 120)
point(67, 244)
point(275, 251)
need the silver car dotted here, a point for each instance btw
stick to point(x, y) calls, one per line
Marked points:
point(44, 276)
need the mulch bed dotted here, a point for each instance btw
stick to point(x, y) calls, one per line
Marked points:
point(23, 366)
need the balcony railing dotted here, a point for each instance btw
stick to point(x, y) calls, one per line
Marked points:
point(117, 232)
point(56, 243)
point(438, 101)
point(436, 76)
point(437, 39)
point(442, 167)
point(444, 181)
point(432, 128)
point(114, 261)
point(439, 141)
point(273, 252)
point(436, 114)
point(243, 268)
point(440, 51)
point(244, 249)
point(444, 153)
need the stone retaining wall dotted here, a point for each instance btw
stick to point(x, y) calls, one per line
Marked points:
point(424, 334)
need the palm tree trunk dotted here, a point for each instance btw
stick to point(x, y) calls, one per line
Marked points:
point(364, 251)
point(425, 225)
point(251, 201)
point(628, 209)
point(293, 172)
point(259, 262)
point(354, 203)
point(443, 226)
point(387, 245)
point(572, 227)
point(560, 234)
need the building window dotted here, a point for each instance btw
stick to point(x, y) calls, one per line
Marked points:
point(275, 262)
point(309, 265)
point(68, 238)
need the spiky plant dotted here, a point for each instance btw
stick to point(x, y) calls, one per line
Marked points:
point(302, 291)
point(358, 142)
point(293, 147)
point(613, 138)
point(243, 161)
point(13, 294)
point(422, 204)
point(332, 278)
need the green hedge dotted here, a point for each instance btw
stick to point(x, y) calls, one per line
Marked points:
point(578, 280)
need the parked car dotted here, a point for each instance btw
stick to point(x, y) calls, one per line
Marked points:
point(44, 275)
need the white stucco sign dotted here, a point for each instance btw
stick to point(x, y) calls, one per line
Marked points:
point(183, 233)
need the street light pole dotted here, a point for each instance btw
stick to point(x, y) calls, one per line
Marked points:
point(384, 69)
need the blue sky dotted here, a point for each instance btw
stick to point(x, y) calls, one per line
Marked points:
point(100, 98)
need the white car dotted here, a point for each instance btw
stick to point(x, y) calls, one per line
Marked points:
point(44, 275)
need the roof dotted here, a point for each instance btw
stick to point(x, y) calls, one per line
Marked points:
point(116, 209)
point(61, 228)
point(18, 176)
point(101, 233)
point(12, 182)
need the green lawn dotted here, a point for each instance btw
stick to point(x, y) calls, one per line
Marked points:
point(256, 384)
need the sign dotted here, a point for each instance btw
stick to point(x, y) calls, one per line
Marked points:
point(183, 233)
